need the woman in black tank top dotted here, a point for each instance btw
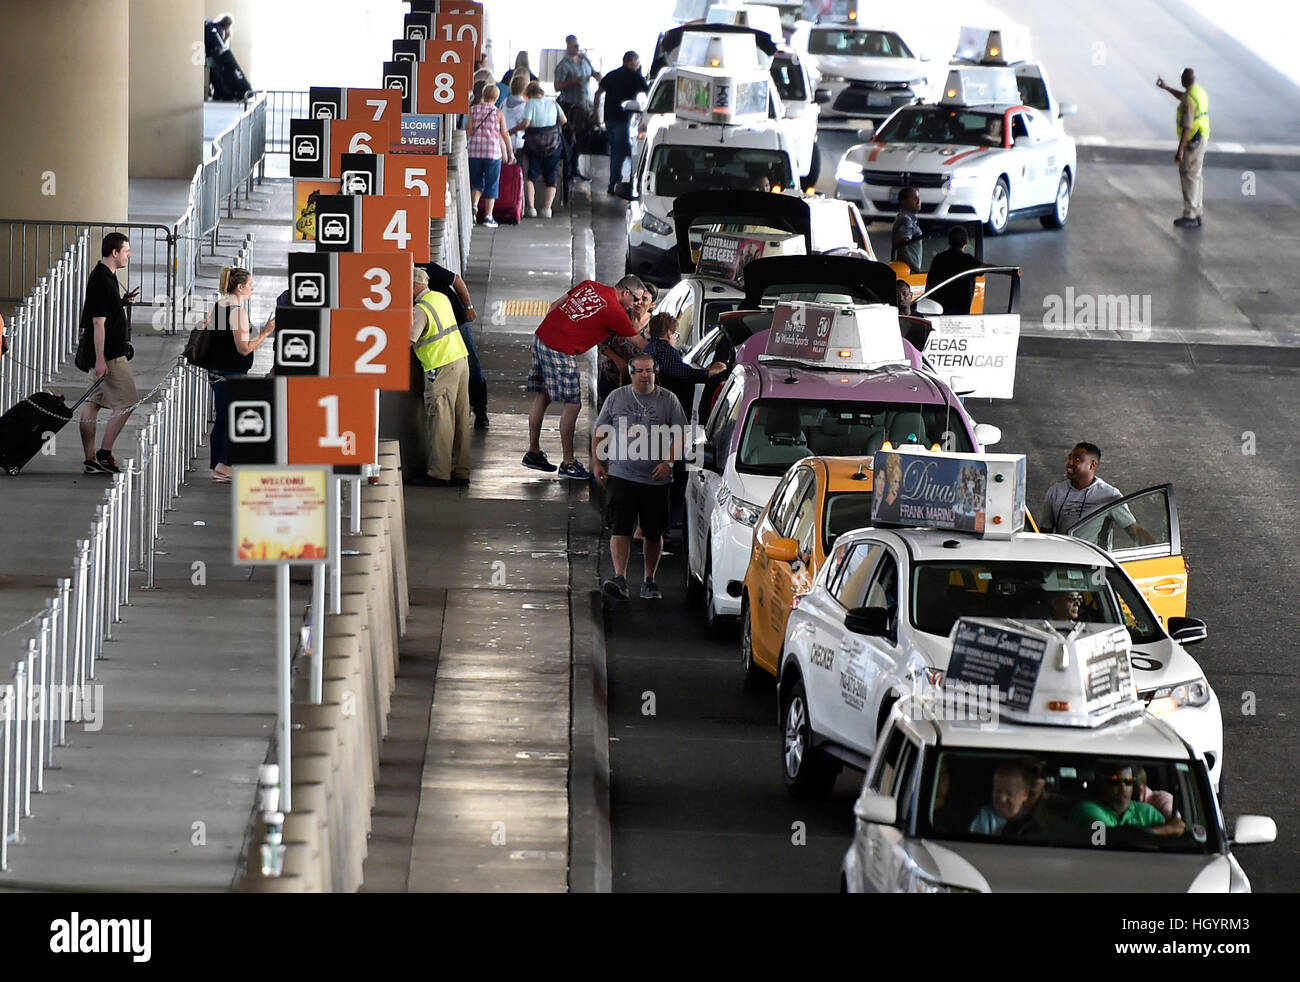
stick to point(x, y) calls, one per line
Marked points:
point(231, 356)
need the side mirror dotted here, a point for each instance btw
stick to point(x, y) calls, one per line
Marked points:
point(927, 308)
point(868, 620)
point(1067, 109)
point(781, 550)
point(1251, 830)
point(866, 133)
point(986, 434)
point(623, 189)
point(822, 96)
point(1187, 630)
point(876, 808)
point(708, 456)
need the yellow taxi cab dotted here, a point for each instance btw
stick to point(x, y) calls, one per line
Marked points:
point(933, 242)
point(818, 499)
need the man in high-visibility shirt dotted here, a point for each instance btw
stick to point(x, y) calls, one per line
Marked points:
point(1193, 126)
point(436, 340)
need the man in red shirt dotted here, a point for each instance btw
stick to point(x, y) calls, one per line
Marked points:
point(584, 317)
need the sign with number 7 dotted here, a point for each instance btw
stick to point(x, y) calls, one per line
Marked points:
point(443, 87)
point(396, 223)
point(375, 106)
point(424, 174)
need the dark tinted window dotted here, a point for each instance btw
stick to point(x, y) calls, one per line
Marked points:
point(679, 169)
point(789, 80)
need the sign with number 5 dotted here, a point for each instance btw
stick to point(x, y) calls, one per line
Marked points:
point(444, 86)
point(396, 223)
point(421, 174)
point(374, 346)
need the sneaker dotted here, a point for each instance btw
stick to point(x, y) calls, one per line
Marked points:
point(532, 212)
point(650, 591)
point(106, 462)
point(616, 587)
point(545, 213)
point(1187, 222)
point(91, 466)
point(489, 222)
point(574, 471)
point(536, 459)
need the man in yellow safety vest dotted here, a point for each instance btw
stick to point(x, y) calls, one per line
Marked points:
point(1193, 127)
point(436, 340)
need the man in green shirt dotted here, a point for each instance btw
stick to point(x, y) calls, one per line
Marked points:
point(1115, 805)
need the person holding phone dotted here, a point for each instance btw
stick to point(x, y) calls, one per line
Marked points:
point(104, 330)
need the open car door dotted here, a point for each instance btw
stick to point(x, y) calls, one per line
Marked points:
point(1141, 532)
point(934, 241)
point(979, 349)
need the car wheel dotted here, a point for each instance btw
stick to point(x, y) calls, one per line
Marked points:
point(999, 208)
point(717, 623)
point(807, 771)
point(750, 673)
point(693, 588)
point(1061, 207)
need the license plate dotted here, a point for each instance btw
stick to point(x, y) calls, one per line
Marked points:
point(878, 99)
point(893, 195)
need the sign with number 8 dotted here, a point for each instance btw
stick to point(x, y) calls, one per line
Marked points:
point(444, 86)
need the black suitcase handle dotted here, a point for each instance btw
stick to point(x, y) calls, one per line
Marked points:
point(88, 393)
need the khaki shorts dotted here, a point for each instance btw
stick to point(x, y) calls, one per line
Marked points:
point(118, 390)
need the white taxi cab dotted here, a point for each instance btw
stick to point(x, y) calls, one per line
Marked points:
point(883, 610)
point(979, 153)
point(977, 787)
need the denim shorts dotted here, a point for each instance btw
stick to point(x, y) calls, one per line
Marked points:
point(485, 176)
point(546, 168)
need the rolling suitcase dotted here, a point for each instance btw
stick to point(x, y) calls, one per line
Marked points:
point(25, 428)
point(510, 195)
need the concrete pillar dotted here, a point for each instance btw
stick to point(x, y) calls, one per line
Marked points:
point(241, 32)
point(65, 71)
point(166, 106)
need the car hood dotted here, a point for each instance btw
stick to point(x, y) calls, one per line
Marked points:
point(755, 488)
point(1031, 869)
point(937, 158)
point(859, 69)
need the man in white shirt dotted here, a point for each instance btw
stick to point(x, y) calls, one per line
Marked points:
point(1082, 493)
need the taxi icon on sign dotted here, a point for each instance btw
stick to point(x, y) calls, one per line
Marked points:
point(249, 422)
point(297, 349)
point(334, 228)
point(307, 148)
point(396, 82)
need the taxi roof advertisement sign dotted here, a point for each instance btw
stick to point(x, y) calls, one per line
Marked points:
point(980, 493)
point(801, 331)
point(1041, 675)
point(725, 255)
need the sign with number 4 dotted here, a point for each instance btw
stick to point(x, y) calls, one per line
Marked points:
point(396, 223)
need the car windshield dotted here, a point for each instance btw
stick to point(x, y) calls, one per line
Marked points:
point(942, 124)
point(678, 169)
point(789, 80)
point(1061, 593)
point(844, 512)
point(857, 44)
point(780, 431)
point(981, 796)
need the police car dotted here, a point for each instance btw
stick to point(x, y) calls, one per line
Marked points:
point(978, 787)
point(882, 613)
point(815, 380)
point(979, 153)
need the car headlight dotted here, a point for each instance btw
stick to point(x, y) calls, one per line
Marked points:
point(913, 881)
point(1168, 698)
point(745, 512)
point(848, 172)
point(655, 225)
point(963, 179)
point(918, 83)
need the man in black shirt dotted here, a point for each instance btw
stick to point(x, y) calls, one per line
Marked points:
point(956, 297)
point(617, 87)
point(104, 321)
point(450, 285)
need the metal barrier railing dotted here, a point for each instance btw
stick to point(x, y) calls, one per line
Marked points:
point(282, 105)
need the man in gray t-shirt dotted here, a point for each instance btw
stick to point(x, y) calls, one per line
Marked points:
point(640, 432)
point(1082, 493)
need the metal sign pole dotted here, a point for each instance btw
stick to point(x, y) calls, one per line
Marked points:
point(336, 547)
point(282, 655)
point(317, 633)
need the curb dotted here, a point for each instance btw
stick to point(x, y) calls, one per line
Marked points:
point(590, 839)
point(1144, 352)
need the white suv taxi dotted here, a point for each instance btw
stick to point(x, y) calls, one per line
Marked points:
point(977, 154)
point(884, 608)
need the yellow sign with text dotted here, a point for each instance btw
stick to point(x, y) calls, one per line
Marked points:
point(281, 514)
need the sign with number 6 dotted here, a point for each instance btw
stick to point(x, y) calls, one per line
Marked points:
point(362, 135)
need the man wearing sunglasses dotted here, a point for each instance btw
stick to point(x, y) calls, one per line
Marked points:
point(1114, 805)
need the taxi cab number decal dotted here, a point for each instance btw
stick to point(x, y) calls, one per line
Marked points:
point(853, 687)
point(822, 656)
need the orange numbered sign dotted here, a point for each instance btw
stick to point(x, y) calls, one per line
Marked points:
point(443, 87)
point(447, 53)
point(375, 106)
point(424, 174)
point(360, 136)
point(396, 223)
point(332, 421)
point(460, 22)
point(373, 346)
point(376, 281)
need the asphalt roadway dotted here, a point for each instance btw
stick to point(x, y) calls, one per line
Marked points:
point(697, 797)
